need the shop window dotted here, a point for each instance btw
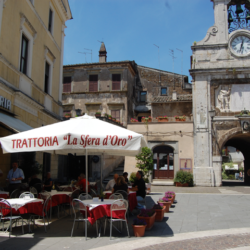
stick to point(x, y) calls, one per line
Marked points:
point(93, 83)
point(67, 84)
point(164, 91)
point(24, 55)
point(115, 114)
point(116, 81)
point(47, 78)
point(143, 96)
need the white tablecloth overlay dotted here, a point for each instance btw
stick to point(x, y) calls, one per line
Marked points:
point(93, 204)
point(20, 202)
point(109, 192)
point(60, 193)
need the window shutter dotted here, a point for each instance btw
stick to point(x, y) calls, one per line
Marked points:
point(93, 83)
point(67, 84)
point(116, 82)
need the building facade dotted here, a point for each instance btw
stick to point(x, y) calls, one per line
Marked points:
point(127, 91)
point(221, 87)
point(31, 60)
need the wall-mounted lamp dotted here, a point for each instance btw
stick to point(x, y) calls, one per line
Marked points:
point(212, 114)
point(78, 112)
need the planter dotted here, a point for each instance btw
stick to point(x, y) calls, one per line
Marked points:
point(162, 120)
point(139, 230)
point(150, 221)
point(178, 184)
point(113, 119)
point(67, 116)
point(110, 118)
point(180, 120)
point(143, 120)
point(167, 205)
point(97, 115)
point(159, 214)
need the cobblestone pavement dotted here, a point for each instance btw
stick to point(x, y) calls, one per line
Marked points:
point(206, 243)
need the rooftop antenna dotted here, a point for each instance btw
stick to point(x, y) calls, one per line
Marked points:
point(173, 57)
point(84, 54)
point(181, 64)
point(90, 53)
point(158, 54)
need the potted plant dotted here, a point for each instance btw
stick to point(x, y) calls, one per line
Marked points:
point(159, 210)
point(165, 202)
point(133, 120)
point(139, 227)
point(118, 121)
point(146, 119)
point(169, 197)
point(180, 118)
point(183, 179)
point(106, 115)
point(149, 216)
point(67, 115)
point(171, 193)
point(98, 114)
point(145, 162)
point(113, 119)
point(110, 117)
point(162, 118)
point(121, 123)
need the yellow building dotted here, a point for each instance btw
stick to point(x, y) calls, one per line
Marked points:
point(31, 63)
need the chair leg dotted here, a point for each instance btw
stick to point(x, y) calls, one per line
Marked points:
point(22, 227)
point(127, 228)
point(110, 228)
point(96, 228)
point(73, 228)
point(105, 225)
point(86, 222)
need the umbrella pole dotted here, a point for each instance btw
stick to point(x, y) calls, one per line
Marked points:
point(102, 163)
point(86, 163)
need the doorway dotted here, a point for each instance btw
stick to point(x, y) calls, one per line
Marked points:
point(163, 162)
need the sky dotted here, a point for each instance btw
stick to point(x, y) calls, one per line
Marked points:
point(130, 28)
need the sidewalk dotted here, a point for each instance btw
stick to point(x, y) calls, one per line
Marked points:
point(195, 220)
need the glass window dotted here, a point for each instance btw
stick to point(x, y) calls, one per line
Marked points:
point(50, 20)
point(24, 55)
point(115, 114)
point(143, 96)
point(46, 81)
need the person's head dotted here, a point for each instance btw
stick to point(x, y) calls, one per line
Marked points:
point(120, 180)
point(125, 175)
point(14, 165)
point(139, 175)
point(248, 172)
point(82, 176)
point(48, 175)
point(116, 176)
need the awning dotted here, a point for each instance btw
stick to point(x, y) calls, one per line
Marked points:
point(235, 167)
point(14, 123)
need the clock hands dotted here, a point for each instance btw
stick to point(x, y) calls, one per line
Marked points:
point(242, 46)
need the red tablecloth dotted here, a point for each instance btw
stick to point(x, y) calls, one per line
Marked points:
point(131, 198)
point(59, 199)
point(29, 208)
point(101, 211)
point(4, 196)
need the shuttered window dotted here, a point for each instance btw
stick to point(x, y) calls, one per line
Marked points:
point(93, 83)
point(115, 114)
point(67, 84)
point(24, 55)
point(116, 82)
point(46, 79)
point(50, 20)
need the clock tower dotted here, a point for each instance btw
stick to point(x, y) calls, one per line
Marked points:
point(220, 68)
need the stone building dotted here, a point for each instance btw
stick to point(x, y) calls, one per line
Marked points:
point(31, 56)
point(126, 90)
point(221, 87)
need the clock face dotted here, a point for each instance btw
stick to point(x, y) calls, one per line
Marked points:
point(241, 45)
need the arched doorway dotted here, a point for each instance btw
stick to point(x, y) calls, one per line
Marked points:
point(242, 143)
point(163, 162)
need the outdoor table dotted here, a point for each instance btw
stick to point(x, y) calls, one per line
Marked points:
point(60, 197)
point(25, 206)
point(4, 195)
point(99, 209)
point(132, 200)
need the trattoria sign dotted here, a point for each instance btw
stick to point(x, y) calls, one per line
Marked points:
point(5, 103)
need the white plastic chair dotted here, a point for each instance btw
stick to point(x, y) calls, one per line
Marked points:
point(84, 196)
point(115, 196)
point(5, 205)
point(123, 193)
point(118, 205)
point(34, 191)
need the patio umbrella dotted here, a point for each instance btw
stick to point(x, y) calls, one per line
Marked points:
point(83, 135)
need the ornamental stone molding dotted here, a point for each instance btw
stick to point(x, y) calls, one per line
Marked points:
point(24, 19)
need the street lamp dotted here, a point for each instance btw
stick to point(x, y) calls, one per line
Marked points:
point(78, 112)
point(212, 114)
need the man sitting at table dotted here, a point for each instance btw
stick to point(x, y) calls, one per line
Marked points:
point(112, 182)
point(48, 183)
point(140, 188)
point(15, 177)
point(82, 182)
point(120, 185)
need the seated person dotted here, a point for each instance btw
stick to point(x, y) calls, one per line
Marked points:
point(125, 175)
point(112, 182)
point(140, 188)
point(48, 183)
point(34, 180)
point(82, 182)
point(120, 185)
